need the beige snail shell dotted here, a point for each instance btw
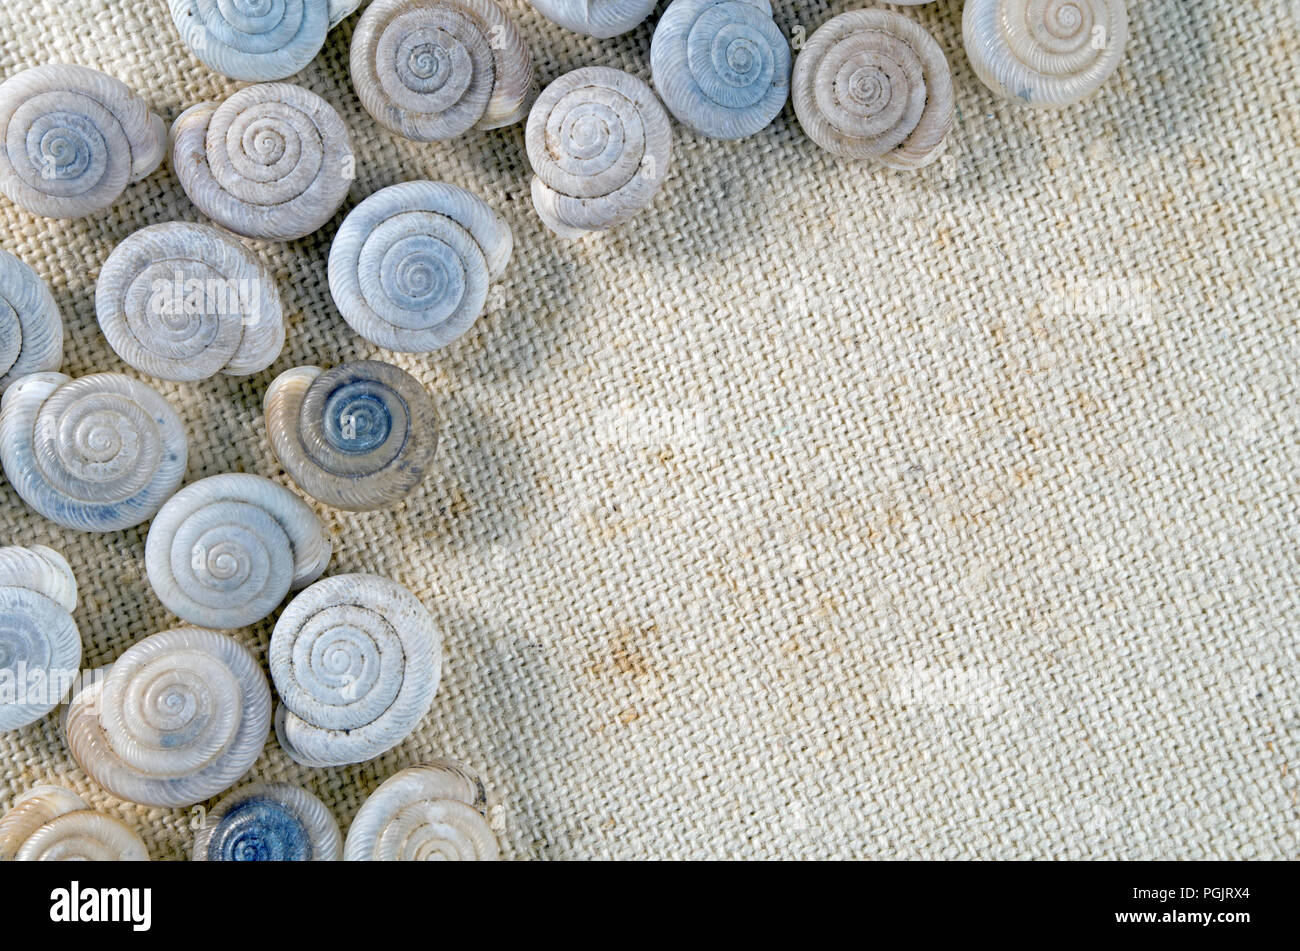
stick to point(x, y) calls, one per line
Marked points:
point(425, 813)
point(51, 824)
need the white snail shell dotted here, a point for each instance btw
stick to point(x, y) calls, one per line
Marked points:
point(96, 454)
point(425, 813)
point(269, 822)
point(50, 823)
point(273, 161)
point(72, 139)
point(358, 437)
point(222, 553)
point(600, 144)
point(178, 718)
point(38, 636)
point(185, 302)
point(410, 267)
point(599, 18)
point(31, 328)
point(1046, 53)
point(874, 84)
point(356, 660)
point(257, 40)
point(722, 67)
point(434, 69)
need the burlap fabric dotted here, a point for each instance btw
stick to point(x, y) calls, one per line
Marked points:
point(823, 511)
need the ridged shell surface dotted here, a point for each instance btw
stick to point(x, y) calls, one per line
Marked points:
point(31, 327)
point(95, 454)
point(178, 718)
point(223, 553)
point(356, 660)
point(40, 646)
point(410, 267)
point(274, 161)
point(435, 69)
point(599, 18)
point(269, 822)
point(425, 813)
point(600, 144)
point(50, 824)
point(358, 437)
point(185, 302)
point(72, 139)
point(253, 40)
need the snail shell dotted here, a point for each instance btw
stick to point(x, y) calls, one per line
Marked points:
point(223, 552)
point(874, 84)
point(434, 69)
point(185, 302)
point(424, 813)
point(50, 823)
point(410, 267)
point(31, 328)
point(356, 660)
point(358, 437)
point(257, 40)
point(96, 454)
point(72, 139)
point(38, 594)
point(1046, 53)
point(721, 66)
point(273, 161)
point(600, 144)
point(599, 18)
point(269, 822)
point(178, 718)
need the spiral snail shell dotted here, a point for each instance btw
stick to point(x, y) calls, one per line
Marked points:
point(31, 328)
point(257, 40)
point(602, 19)
point(185, 302)
point(425, 813)
point(51, 824)
point(434, 69)
point(96, 454)
point(874, 84)
point(72, 140)
point(358, 437)
point(274, 161)
point(600, 144)
point(1046, 53)
point(269, 822)
point(356, 660)
point(40, 647)
point(722, 67)
point(222, 553)
point(178, 718)
point(410, 267)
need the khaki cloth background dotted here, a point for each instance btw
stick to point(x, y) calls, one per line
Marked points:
point(822, 511)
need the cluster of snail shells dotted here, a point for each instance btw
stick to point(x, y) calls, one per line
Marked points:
point(269, 822)
point(431, 70)
point(72, 139)
point(223, 552)
point(53, 824)
point(95, 454)
point(410, 267)
point(1045, 53)
point(40, 646)
point(185, 302)
point(874, 84)
point(31, 327)
point(274, 161)
point(722, 67)
point(602, 19)
point(600, 144)
point(425, 813)
point(359, 437)
point(256, 40)
point(179, 717)
point(356, 660)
